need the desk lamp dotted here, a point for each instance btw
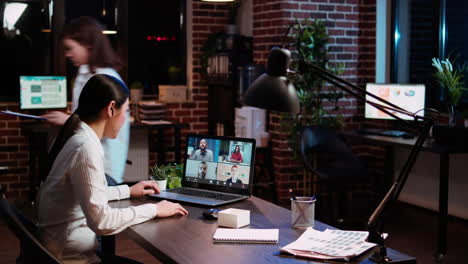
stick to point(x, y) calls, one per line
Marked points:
point(273, 91)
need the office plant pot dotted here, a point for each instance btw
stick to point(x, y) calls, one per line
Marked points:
point(162, 184)
point(452, 116)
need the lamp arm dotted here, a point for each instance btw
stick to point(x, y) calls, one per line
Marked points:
point(392, 195)
point(374, 225)
point(332, 76)
point(383, 108)
point(349, 88)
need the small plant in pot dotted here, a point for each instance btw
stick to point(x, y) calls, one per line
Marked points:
point(159, 173)
point(452, 80)
point(174, 178)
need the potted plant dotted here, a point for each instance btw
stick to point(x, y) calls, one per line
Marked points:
point(169, 175)
point(309, 40)
point(136, 91)
point(452, 81)
point(159, 173)
point(174, 178)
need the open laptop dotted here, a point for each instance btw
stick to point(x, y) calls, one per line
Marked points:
point(217, 171)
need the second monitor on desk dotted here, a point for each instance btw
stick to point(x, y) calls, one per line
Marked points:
point(410, 97)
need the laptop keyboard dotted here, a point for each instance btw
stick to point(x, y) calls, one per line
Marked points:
point(199, 193)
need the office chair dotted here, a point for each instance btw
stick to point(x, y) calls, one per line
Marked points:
point(32, 251)
point(337, 167)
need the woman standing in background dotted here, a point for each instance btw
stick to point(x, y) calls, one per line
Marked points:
point(90, 50)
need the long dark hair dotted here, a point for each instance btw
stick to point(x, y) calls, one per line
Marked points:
point(88, 32)
point(237, 147)
point(97, 93)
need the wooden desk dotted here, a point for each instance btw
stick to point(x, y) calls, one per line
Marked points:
point(189, 239)
point(444, 152)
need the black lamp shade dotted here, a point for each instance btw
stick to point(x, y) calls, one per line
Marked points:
point(272, 90)
point(275, 93)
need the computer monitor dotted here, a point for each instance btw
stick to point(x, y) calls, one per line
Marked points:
point(410, 97)
point(43, 92)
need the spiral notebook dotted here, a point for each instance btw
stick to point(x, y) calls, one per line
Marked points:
point(255, 236)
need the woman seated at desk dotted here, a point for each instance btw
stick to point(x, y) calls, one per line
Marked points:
point(73, 201)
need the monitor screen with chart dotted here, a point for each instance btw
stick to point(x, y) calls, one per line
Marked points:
point(410, 97)
point(43, 92)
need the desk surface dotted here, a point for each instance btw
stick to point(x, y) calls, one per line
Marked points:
point(189, 239)
point(429, 145)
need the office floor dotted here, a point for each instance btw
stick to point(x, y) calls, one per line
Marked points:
point(411, 230)
point(9, 248)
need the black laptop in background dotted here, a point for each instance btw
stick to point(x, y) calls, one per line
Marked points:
point(217, 171)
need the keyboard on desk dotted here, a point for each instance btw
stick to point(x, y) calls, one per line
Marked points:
point(385, 132)
point(205, 194)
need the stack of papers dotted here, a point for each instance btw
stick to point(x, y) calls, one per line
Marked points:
point(329, 244)
point(151, 110)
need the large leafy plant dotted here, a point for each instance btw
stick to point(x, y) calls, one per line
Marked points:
point(309, 41)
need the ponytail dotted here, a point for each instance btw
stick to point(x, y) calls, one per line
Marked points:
point(66, 132)
point(97, 93)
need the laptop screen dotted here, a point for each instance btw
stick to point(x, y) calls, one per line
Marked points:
point(220, 163)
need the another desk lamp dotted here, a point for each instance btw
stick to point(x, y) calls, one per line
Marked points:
point(273, 91)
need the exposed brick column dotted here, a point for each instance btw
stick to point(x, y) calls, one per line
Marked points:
point(351, 26)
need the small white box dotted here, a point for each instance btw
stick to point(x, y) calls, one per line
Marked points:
point(234, 218)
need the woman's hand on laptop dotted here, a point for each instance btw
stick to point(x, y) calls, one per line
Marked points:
point(144, 188)
point(56, 117)
point(166, 208)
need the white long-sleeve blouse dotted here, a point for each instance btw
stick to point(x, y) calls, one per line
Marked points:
point(73, 201)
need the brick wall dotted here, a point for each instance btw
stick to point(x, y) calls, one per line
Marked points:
point(14, 154)
point(351, 26)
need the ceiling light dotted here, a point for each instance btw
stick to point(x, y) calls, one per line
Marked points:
point(12, 13)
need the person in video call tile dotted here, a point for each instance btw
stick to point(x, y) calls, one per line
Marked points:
point(203, 153)
point(234, 170)
point(202, 170)
point(236, 156)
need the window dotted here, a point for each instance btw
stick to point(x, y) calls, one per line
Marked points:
point(422, 30)
point(157, 43)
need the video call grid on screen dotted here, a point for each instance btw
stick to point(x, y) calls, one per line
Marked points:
point(43, 92)
point(219, 162)
point(410, 97)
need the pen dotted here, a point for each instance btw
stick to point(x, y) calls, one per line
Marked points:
point(291, 194)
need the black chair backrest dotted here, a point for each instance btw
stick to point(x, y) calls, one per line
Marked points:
point(328, 144)
point(32, 251)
